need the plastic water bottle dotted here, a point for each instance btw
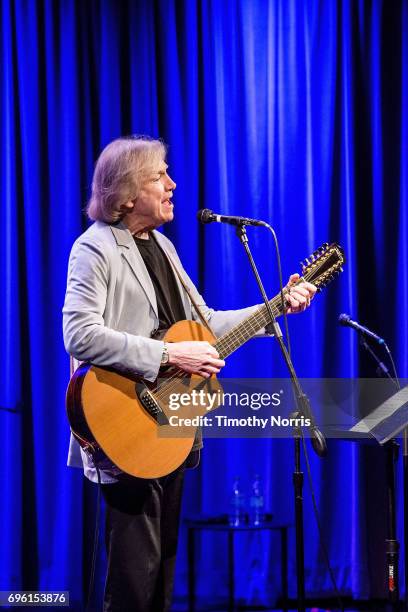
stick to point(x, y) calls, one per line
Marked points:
point(257, 501)
point(237, 516)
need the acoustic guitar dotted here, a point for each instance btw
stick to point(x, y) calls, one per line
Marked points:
point(129, 420)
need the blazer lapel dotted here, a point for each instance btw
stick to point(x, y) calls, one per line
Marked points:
point(131, 253)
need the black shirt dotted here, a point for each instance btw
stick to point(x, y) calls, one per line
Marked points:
point(169, 304)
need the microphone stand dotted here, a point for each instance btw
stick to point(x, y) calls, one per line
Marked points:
point(391, 543)
point(303, 409)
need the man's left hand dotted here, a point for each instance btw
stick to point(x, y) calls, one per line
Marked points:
point(298, 296)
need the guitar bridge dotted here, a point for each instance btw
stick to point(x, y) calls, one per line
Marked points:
point(150, 404)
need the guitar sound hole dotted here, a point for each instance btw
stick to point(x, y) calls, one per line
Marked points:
point(150, 405)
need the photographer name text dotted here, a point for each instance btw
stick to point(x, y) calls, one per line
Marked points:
point(250, 421)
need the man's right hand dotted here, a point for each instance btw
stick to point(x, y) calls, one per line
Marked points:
point(195, 357)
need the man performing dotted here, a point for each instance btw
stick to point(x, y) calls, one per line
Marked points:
point(121, 289)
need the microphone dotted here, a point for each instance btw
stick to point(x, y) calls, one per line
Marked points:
point(345, 319)
point(205, 215)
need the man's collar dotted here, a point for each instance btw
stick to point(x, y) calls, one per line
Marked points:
point(122, 234)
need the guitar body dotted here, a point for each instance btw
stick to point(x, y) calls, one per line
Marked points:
point(131, 421)
point(105, 414)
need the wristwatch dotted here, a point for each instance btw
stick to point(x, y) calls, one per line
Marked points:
point(165, 355)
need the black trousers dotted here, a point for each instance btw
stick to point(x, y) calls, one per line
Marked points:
point(142, 521)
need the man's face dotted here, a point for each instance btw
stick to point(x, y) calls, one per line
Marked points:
point(153, 205)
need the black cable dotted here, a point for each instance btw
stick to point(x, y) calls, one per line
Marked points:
point(284, 313)
point(319, 526)
point(397, 382)
point(305, 450)
point(96, 540)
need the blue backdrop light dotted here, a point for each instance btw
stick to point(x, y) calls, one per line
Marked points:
point(295, 112)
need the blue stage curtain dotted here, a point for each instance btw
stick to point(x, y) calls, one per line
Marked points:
point(291, 111)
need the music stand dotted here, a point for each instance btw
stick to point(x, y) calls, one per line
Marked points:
point(387, 420)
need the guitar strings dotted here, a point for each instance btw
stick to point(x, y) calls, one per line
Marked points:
point(225, 344)
point(228, 343)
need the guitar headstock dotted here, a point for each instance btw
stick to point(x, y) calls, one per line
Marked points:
point(323, 265)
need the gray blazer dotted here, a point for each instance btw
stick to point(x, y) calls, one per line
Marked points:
point(110, 310)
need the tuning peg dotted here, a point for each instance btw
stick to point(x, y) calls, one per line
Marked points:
point(306, 261)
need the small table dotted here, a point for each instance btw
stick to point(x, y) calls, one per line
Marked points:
point(210, 525)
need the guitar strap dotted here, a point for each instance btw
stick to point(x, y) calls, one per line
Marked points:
point(192, 300)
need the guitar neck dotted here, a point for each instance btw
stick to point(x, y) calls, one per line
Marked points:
point(246, 329)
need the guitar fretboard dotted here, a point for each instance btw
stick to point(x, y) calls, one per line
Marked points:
point(325, 263)
point(246, 329)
